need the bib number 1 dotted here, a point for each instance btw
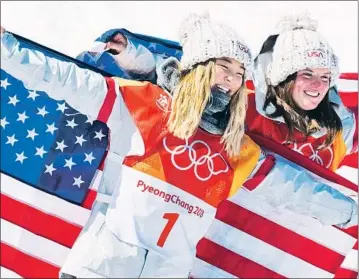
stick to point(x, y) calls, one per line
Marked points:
point(172, 218)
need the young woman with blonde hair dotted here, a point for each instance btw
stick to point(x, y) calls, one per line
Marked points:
point(170, 162)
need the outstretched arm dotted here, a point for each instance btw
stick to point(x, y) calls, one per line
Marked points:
point(82, 89)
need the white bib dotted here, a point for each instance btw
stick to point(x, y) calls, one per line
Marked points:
point(158, 216)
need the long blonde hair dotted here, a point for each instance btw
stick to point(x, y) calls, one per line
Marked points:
point(190, 97)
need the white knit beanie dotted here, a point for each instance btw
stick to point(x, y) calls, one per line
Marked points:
point(202, 39)
point(300, 46)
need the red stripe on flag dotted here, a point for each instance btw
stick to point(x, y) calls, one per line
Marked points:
point(352, 231)
point(102, 164)
point(352, 76)
point(38, 222)
point(350, 100)
point(231, 262)
point(89, 199)
point(278, 236)
point(261, 173)
point(346, 273)
point(25, 265)
point(109, 101)
point(350, 160)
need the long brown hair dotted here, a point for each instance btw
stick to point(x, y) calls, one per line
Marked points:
point(190, 97)
point(306, 122)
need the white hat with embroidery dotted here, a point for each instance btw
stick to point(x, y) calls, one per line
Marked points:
point(300, 46)
point(202, 39)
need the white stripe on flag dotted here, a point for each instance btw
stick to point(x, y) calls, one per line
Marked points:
point(96, 180)
point(351, 261)
point(42, 201)
point(258, 251)
point(346, 85)
point(349, 173)
point(6, 273)
point(33, 245)
point(300, 224)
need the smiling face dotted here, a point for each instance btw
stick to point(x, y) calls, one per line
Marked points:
point(310, 87)
point(229, 75)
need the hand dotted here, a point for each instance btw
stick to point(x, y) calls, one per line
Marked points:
point(2, 30)
point(116, 44)
point(168, 74)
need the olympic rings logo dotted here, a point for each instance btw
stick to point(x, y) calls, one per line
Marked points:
point(315, 153)
point(195, 161)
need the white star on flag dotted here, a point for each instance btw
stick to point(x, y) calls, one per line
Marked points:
point(69, 163)
point(13, 100)
point(3, 122)
point(42, 111)
point(31, 134)
point(78, 181)
point(80, 140)
point(152, 45)
point(4, 83)
point(32, 95)
point(62, 107)
point(40, 151)
point(163, 55)
point(51, 128)
point(89, 158)
point(49, 169)
point(22, 117)
point(20, 157)
point(61, 145)
point(99, 135)
point(71, 123)
point(11, 140)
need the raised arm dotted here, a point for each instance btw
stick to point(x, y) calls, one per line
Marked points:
point(82, 89)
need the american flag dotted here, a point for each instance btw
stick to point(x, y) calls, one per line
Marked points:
point(251, 239)
point(50, 159)
point(160, 48)
point(46, 197)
